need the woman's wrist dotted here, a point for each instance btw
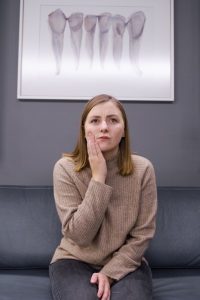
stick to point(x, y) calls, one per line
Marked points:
point(99, 178)
point(111, 280)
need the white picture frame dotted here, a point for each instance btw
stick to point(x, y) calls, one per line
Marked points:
point(74, 49)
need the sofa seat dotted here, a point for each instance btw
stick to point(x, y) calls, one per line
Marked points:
point(25, 285)
point(173, 284)
point(168, 284)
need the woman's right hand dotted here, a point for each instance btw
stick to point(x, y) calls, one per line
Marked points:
point(96, 159)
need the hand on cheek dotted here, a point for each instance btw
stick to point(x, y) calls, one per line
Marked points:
point(96, 159)
point(92, 145)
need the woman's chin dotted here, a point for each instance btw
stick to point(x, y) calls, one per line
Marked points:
point(103, 148)
point(108, 153)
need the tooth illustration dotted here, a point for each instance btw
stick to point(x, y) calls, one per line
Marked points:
point(135, 29)
point(57, 23)
point(75, 24)
point(90, 27)
point(118, 26)
point(105, 20)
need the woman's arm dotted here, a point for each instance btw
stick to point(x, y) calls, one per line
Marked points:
point(129, 256)
point(81, 217)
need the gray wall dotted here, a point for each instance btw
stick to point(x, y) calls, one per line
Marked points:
point(33, 134)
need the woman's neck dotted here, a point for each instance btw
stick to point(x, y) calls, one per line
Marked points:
point(111, 154)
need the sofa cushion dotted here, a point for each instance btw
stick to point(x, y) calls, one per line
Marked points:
point(25, 284)
point(29, 227)
point(178, 284)
point(177, 239)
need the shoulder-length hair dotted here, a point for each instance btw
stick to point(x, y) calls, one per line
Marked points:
point(80, 154)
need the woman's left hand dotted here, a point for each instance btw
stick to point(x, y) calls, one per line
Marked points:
point(103, 282)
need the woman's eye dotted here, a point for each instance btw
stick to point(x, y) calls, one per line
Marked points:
point(94, 121)
point(114, 120)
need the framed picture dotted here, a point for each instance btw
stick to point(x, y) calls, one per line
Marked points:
point(74, 49)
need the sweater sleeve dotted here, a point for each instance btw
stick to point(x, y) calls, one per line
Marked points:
point(80, 218)
point(128, 258)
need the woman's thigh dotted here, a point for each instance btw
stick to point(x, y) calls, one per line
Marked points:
point(70, 280)
point(135, 286)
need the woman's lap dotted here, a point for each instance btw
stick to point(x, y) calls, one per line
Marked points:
point(70, 280)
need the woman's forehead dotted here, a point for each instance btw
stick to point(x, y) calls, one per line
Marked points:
point(106, 108)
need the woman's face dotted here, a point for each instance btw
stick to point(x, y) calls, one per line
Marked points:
point(106, 123)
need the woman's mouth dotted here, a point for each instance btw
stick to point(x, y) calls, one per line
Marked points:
point(103, 138)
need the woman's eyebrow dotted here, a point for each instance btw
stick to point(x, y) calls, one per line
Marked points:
point(113, 115)
point(107, 116)
point(94, 116)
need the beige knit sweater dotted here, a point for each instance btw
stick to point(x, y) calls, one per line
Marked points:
point(107, 225)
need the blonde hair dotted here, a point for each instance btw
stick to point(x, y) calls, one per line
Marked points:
point(80, 154)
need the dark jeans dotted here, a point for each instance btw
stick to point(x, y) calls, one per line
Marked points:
point(70, 280)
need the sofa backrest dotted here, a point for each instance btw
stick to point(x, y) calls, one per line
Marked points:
point(30, 229)
point(176, 243)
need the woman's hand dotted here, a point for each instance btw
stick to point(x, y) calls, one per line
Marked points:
point(96, 159)
point(103, 282)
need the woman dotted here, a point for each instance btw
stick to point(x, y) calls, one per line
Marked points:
point(106, 201)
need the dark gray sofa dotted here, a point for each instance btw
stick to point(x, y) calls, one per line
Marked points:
point(30, 232)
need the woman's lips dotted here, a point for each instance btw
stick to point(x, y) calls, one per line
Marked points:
point(103, 138)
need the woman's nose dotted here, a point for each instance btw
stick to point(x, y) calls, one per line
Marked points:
point(104, 125)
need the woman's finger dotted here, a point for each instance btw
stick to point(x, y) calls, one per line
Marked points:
point(93, 147)
point(103, 288)
point(94, 278)
point(101, 284)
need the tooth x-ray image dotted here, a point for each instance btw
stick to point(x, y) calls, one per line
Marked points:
point(74, 49)
point(105, 26)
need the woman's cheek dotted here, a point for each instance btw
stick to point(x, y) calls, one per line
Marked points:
point(90, 130)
